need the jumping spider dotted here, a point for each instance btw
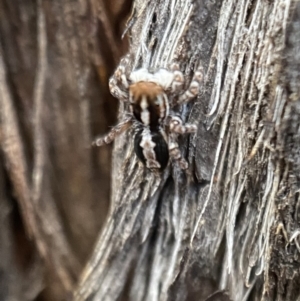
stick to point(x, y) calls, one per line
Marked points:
point(150, 97)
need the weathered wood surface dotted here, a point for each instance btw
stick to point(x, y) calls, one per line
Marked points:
point(233, 226)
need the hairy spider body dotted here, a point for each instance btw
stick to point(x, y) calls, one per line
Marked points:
point(151, 148)
point(148, 103)
point(151, 97)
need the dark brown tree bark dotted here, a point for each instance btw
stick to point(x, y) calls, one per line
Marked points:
point(232, 228)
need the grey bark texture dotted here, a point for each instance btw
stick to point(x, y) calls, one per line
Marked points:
point(228, 231)
point(234, 226)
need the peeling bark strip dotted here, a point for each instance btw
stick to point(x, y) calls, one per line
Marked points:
point(236, 227)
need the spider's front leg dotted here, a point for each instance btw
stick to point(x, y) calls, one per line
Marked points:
point(176, 125)
point(114, 132)
point(178, 79)
point(118, 83)
point(194, 88)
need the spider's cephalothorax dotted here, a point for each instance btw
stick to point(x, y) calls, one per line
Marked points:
point(149, 104)
point(151, 97)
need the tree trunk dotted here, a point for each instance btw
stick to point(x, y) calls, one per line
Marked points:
point(234, 226)
point(228, 229)
point(55, 61)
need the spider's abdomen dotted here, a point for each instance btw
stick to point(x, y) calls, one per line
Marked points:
point(152, 149)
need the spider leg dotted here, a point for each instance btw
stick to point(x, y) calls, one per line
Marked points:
point(176, 126)
point(178, 79)
point(116, 91)
point(118, 83)
point(113, 133)
point(176, 155)
point(193, 89)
